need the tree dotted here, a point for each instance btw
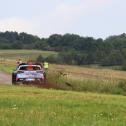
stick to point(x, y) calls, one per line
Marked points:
point(114, 58)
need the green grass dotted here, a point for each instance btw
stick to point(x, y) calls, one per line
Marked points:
point(101, 85)
point(22, 106)
point(30, 106)
point(7, 68)
point(24, 54)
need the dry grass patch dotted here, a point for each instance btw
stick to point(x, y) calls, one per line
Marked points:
point(76, 72)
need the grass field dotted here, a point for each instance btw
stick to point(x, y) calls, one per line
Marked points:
point(23, 54)
point(68, 77)
point(82, 79)
point(78, 72)
point(28, 106)
point(88, 79)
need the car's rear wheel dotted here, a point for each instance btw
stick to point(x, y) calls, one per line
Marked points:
point(14, 79)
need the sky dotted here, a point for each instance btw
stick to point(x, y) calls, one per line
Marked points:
point(94, 18)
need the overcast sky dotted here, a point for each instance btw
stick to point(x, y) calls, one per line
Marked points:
point(96, 18)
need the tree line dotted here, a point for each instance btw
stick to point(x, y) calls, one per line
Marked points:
point(72, 48)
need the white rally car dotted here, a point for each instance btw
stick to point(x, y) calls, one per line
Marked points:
point(26, 73)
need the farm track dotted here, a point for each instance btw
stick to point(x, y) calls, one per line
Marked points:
point(5, 78)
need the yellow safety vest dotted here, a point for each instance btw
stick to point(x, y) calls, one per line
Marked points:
point(45, 65)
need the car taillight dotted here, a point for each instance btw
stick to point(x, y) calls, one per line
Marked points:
point(19, 72)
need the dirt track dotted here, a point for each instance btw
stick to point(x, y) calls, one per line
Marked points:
point(5, 78)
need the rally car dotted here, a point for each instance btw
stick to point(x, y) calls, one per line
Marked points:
point(28, 73)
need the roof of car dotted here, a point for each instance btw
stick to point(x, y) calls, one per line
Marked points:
point(30, 64)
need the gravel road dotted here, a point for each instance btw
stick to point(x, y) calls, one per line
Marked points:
point(5, 78)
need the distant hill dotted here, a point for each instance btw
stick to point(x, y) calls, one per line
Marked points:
point(74, 49)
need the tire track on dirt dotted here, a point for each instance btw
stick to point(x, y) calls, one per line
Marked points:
point(5, 78)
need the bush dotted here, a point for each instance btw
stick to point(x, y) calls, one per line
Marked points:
point(40, 58)
point(124, 66)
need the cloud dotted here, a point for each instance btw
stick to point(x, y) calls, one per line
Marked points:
point(60, 18)
point(15, 24)
point(20, 24)
point(80, 7)
point(69, 13)
point(66, 15)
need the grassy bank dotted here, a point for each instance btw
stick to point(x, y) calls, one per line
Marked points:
point(109, 86)
point(88, 79)
point(22, 106)
point(82, 79)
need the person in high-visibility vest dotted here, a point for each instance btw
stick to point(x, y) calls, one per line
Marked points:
point(46, 65)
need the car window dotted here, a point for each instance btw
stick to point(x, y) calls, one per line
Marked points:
point(29, 67)
point(36, 68)
point(23, 68)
